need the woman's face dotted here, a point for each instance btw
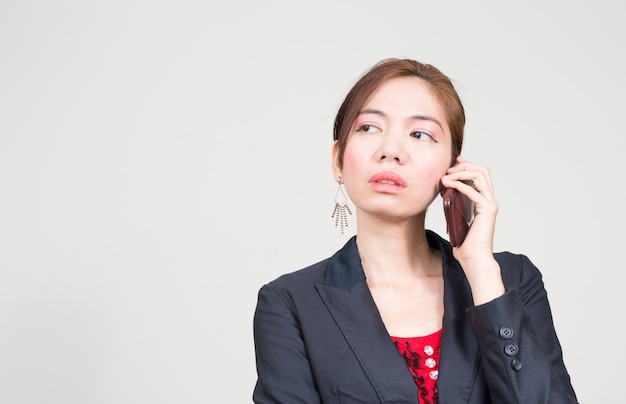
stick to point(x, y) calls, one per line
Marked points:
point(398, 149)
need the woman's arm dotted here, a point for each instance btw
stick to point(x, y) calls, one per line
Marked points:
point(511, 319)
point(284, 372)
point(520, 351)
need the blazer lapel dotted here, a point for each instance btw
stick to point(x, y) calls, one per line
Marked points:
point(458, 364)
point(347, 297)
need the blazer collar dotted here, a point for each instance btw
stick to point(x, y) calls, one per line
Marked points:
point(347, 297)
point(344, 269)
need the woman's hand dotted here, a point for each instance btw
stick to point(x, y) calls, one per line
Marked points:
point(475, 254)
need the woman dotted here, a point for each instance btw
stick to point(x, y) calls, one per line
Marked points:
point(398, 315)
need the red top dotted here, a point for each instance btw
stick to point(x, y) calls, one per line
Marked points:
point(422, 357)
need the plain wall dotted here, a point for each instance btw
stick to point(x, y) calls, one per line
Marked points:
point(161, 160)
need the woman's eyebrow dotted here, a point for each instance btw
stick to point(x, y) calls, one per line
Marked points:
point(373, 111)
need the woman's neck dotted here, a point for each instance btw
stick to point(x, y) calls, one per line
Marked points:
point(393, 251)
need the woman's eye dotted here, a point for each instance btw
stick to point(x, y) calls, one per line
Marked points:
point(367, 128)
point(422, 135)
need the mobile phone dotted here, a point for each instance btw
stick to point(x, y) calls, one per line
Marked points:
point(459, 212)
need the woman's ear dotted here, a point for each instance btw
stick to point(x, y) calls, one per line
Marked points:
point(335, 157)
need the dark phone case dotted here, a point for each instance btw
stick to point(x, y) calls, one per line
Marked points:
point(458, 210)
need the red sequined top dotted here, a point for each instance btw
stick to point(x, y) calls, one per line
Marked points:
point(422, 357)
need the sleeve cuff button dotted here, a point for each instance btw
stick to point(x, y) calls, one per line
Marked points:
point(506, 332)
point(511, 349)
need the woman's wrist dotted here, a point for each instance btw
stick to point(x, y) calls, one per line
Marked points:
point(485, 280)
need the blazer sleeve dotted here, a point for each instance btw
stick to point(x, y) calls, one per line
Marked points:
point(283, 369)
point(519, 348)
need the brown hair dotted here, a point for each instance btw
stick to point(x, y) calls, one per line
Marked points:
point(393, 68)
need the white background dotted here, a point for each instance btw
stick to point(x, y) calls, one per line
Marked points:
point(161, 160)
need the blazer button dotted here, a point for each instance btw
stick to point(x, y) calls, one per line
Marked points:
point(516, 364)
point(506, 332)
point(511, 349)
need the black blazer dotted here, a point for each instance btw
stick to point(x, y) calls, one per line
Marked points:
point(319, 338)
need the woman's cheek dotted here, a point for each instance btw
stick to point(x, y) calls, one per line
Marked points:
point(433, 173)
point(350, 161)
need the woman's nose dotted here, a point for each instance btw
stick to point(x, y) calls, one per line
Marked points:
point(392, 149)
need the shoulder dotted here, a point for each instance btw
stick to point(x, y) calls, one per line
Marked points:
point(518, 271)
point(342, 270)
point(291, 291)
point(311, 274)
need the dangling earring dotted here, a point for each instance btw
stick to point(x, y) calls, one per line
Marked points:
point(341, 207)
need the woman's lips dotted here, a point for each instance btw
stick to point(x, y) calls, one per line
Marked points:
point(387, 182)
